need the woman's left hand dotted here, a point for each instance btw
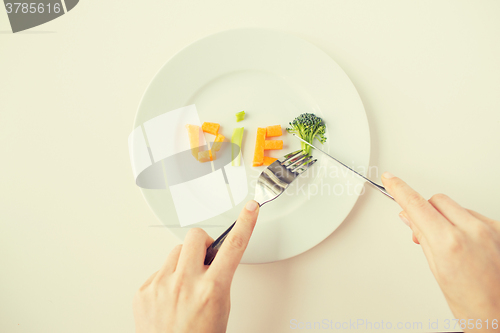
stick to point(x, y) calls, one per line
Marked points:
point(187, 296)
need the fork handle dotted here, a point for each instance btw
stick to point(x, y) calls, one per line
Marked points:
point(215, 246)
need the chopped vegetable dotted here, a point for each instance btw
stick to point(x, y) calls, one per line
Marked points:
point(212, 128)
point(219, 139)
point(274, 130)
point(258, 157)
point(240, 116)
point(308, 126)
point(194, 139)
point(273, 144)
point(269, 160)
point(205, 156)
point(236, 146)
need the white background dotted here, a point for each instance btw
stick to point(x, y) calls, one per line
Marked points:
point(75, 233)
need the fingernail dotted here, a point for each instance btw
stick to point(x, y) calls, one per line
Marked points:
point(251, 206)
point(387, 175)
point(404, 219)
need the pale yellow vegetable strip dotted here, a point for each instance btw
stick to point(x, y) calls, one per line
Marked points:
point(236, 146)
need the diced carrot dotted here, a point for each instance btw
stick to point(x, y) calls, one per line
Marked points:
point(219, 139)
point(269, 160)
point(194, 139)
point(212, 128)
point(205, 156)
point(258, 157)
point(273, 144)
point(274, 130)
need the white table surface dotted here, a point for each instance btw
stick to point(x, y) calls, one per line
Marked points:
point(75, 233)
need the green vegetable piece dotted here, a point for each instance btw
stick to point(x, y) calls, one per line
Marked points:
point(308, 126)
point(236, 142)
point(240, 116)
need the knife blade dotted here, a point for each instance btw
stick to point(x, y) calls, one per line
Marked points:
point(377, 186)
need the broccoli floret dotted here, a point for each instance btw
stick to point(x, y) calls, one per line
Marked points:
point(308, 126)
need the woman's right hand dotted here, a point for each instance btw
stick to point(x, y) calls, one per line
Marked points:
point(462, 248)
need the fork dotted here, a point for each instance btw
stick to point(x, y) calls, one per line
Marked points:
point(271, 183)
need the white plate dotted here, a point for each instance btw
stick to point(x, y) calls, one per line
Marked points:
point(274, 77)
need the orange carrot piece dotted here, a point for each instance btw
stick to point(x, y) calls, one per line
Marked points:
point(219, 139)
point(273, 144)
point(212, 128)
point(269, 160)
point(194, 139)
point(205, 156)
point(274, 130)
point(258, 157)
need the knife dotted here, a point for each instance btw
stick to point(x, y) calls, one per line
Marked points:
point(377, 186)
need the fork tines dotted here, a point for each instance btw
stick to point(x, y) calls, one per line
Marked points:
point(297, 161)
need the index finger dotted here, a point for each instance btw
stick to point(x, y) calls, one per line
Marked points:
point(231, 251)
point(427, 219)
